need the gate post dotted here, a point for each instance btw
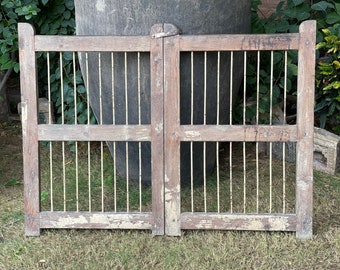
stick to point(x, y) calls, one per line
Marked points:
point(305, 129)
point(157, 128)
point(29, 101)
point(172, 124)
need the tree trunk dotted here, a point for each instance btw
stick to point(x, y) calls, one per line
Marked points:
point(135, 17)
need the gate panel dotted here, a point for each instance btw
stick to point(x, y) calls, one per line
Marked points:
point(236, 199)
point(74, 194)
point(274, 134)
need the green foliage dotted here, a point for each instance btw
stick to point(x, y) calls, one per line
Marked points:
point(49, 18)
point(287, 18)
point(328, 78)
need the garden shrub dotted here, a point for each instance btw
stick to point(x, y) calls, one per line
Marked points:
point(287, 18)
point(48, 18)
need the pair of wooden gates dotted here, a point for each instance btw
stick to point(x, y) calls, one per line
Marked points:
point(166, 132)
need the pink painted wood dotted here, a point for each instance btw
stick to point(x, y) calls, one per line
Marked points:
point(166, 133)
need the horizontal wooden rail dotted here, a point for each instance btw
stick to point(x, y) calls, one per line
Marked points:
point(239, 42)
point(253, 222)
point(94, 133)
point(96, 220)
point(253, 133)
point(92, 43)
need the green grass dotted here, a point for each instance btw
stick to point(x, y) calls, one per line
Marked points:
point(117, 249)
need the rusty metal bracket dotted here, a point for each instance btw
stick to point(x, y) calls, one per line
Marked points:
point(168, 31)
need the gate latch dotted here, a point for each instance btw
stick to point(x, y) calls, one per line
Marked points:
point(169, 30)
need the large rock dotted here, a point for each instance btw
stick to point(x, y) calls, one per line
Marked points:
point(136, 17)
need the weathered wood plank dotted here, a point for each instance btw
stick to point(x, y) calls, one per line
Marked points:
point(254, 133)
point(224, 221)
point(29, 101)
point(172, 142)
point(94, 133)
point(305, 127)
point(96, 220)
point(93, 43)
point(239, 42)
point(157, 129)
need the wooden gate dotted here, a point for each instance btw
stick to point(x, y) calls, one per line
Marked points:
point(166, 133)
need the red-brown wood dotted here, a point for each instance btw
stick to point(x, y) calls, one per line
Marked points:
point(305, 124)
point(172, 141)
point(225, 221)
point(166, 133)
point(96, 220)
point(94, 132)
point(29, 101)
point(157, 129)
point(93, 43)
point(239, 42)
point(253, 133)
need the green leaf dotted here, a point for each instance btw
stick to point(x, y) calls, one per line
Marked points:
point(322, 6)
point(337, 8)
point(333, 18)
point(69, 4)
point(44, 2)
point(12, 182)
point(298, 2)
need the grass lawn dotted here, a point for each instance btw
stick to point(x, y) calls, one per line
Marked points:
point(114, 249)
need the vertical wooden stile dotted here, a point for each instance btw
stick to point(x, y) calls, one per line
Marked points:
point(29, 101)
point(157, 129)
point(305, 124)
point(172, 141)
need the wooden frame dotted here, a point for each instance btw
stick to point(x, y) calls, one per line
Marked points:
point(166, 133)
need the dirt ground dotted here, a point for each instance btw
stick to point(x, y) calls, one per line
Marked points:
point(11, 154)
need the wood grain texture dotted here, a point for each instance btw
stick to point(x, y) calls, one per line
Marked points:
point(172, 142)
point(239, 42)
point(166, 133)
point(157, 129)
point(305, 124)
point(225, 221)
point(253, 133)
point(96, 220)
point(92, 43)
point(94, 132)
point(29, 101)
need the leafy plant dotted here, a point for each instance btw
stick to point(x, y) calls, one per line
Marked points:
point(49, 18)
point(288, 16)
point(328, 78)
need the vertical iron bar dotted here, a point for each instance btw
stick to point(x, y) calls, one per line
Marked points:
point(257, 122)
point(204, 123)
point(244, 119)
point(139, 143)
point(217, 123)
point(270, 123)
point(191, 143)
point(75, 122)
point(62, 122)
point(126, 123)
point(113, 123)
point(230, 123)
point(101, 122)
point(284, 144)
point(50, 122)
point(88, 123)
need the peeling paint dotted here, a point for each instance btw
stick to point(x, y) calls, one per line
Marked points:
point(192, 134)
point(100, 5)
point(159, 128)
point(24, 116)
